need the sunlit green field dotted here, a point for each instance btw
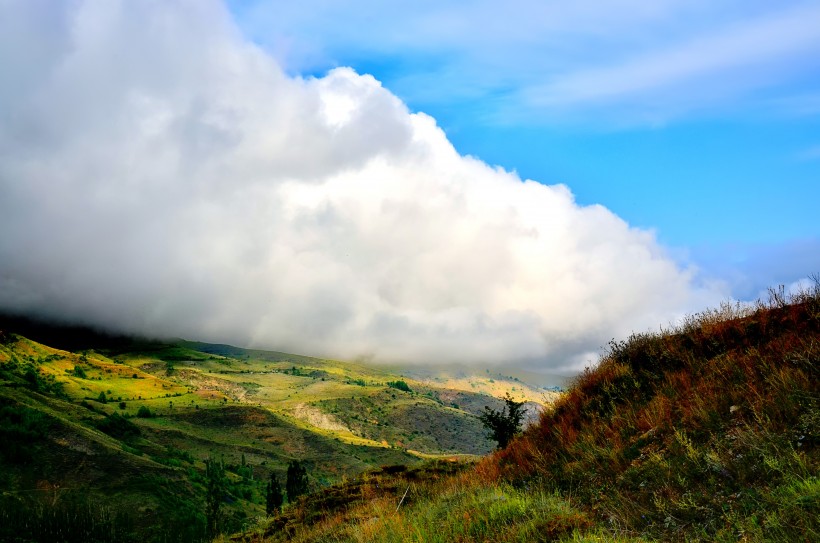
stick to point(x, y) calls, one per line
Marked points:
point(283, 405)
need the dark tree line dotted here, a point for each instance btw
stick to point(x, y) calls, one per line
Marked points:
point(296, 484)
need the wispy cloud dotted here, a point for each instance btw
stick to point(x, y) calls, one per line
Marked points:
point(701, 72)
point(752, 268)
point(627, 59)
point(810, 153)
point(161, 174)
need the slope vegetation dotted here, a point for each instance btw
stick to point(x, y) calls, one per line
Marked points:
point(95, 419)
point(707, 432)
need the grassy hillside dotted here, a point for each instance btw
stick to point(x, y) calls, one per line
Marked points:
point(707, 432)
point(71, 430)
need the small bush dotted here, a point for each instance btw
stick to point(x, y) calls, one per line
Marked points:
point(399, 385)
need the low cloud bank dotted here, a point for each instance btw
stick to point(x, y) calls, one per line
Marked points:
point(160, 174)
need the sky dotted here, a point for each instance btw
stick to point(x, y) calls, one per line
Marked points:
point(441, 182)
point(697, 119)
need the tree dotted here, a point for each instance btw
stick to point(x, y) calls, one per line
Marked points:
point(273, 496)
point(399, 385)
point(297, 481)
point(215, 492)
point(506, 424)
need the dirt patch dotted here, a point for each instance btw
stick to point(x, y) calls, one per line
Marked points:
point(315, 417)
point(207, 383)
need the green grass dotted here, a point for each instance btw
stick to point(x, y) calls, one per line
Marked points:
point(431, 503)
point(223, 402)
point(490, 513)
point(706, 432)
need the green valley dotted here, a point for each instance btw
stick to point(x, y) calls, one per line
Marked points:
point(705, 432)
point(130, 423)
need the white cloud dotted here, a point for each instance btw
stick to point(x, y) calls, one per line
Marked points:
point(752, 268)
point(162, 175)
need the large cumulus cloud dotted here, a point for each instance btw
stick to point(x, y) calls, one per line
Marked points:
point(160, 174)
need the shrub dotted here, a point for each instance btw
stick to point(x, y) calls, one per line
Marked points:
point(32, 378)
point(399, 385)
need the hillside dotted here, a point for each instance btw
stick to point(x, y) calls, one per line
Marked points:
point(706, 432)
point(73, 437)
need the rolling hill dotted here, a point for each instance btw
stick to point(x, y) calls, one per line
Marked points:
point(706, 432)
point(89, 419)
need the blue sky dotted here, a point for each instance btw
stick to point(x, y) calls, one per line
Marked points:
point(700, 120)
